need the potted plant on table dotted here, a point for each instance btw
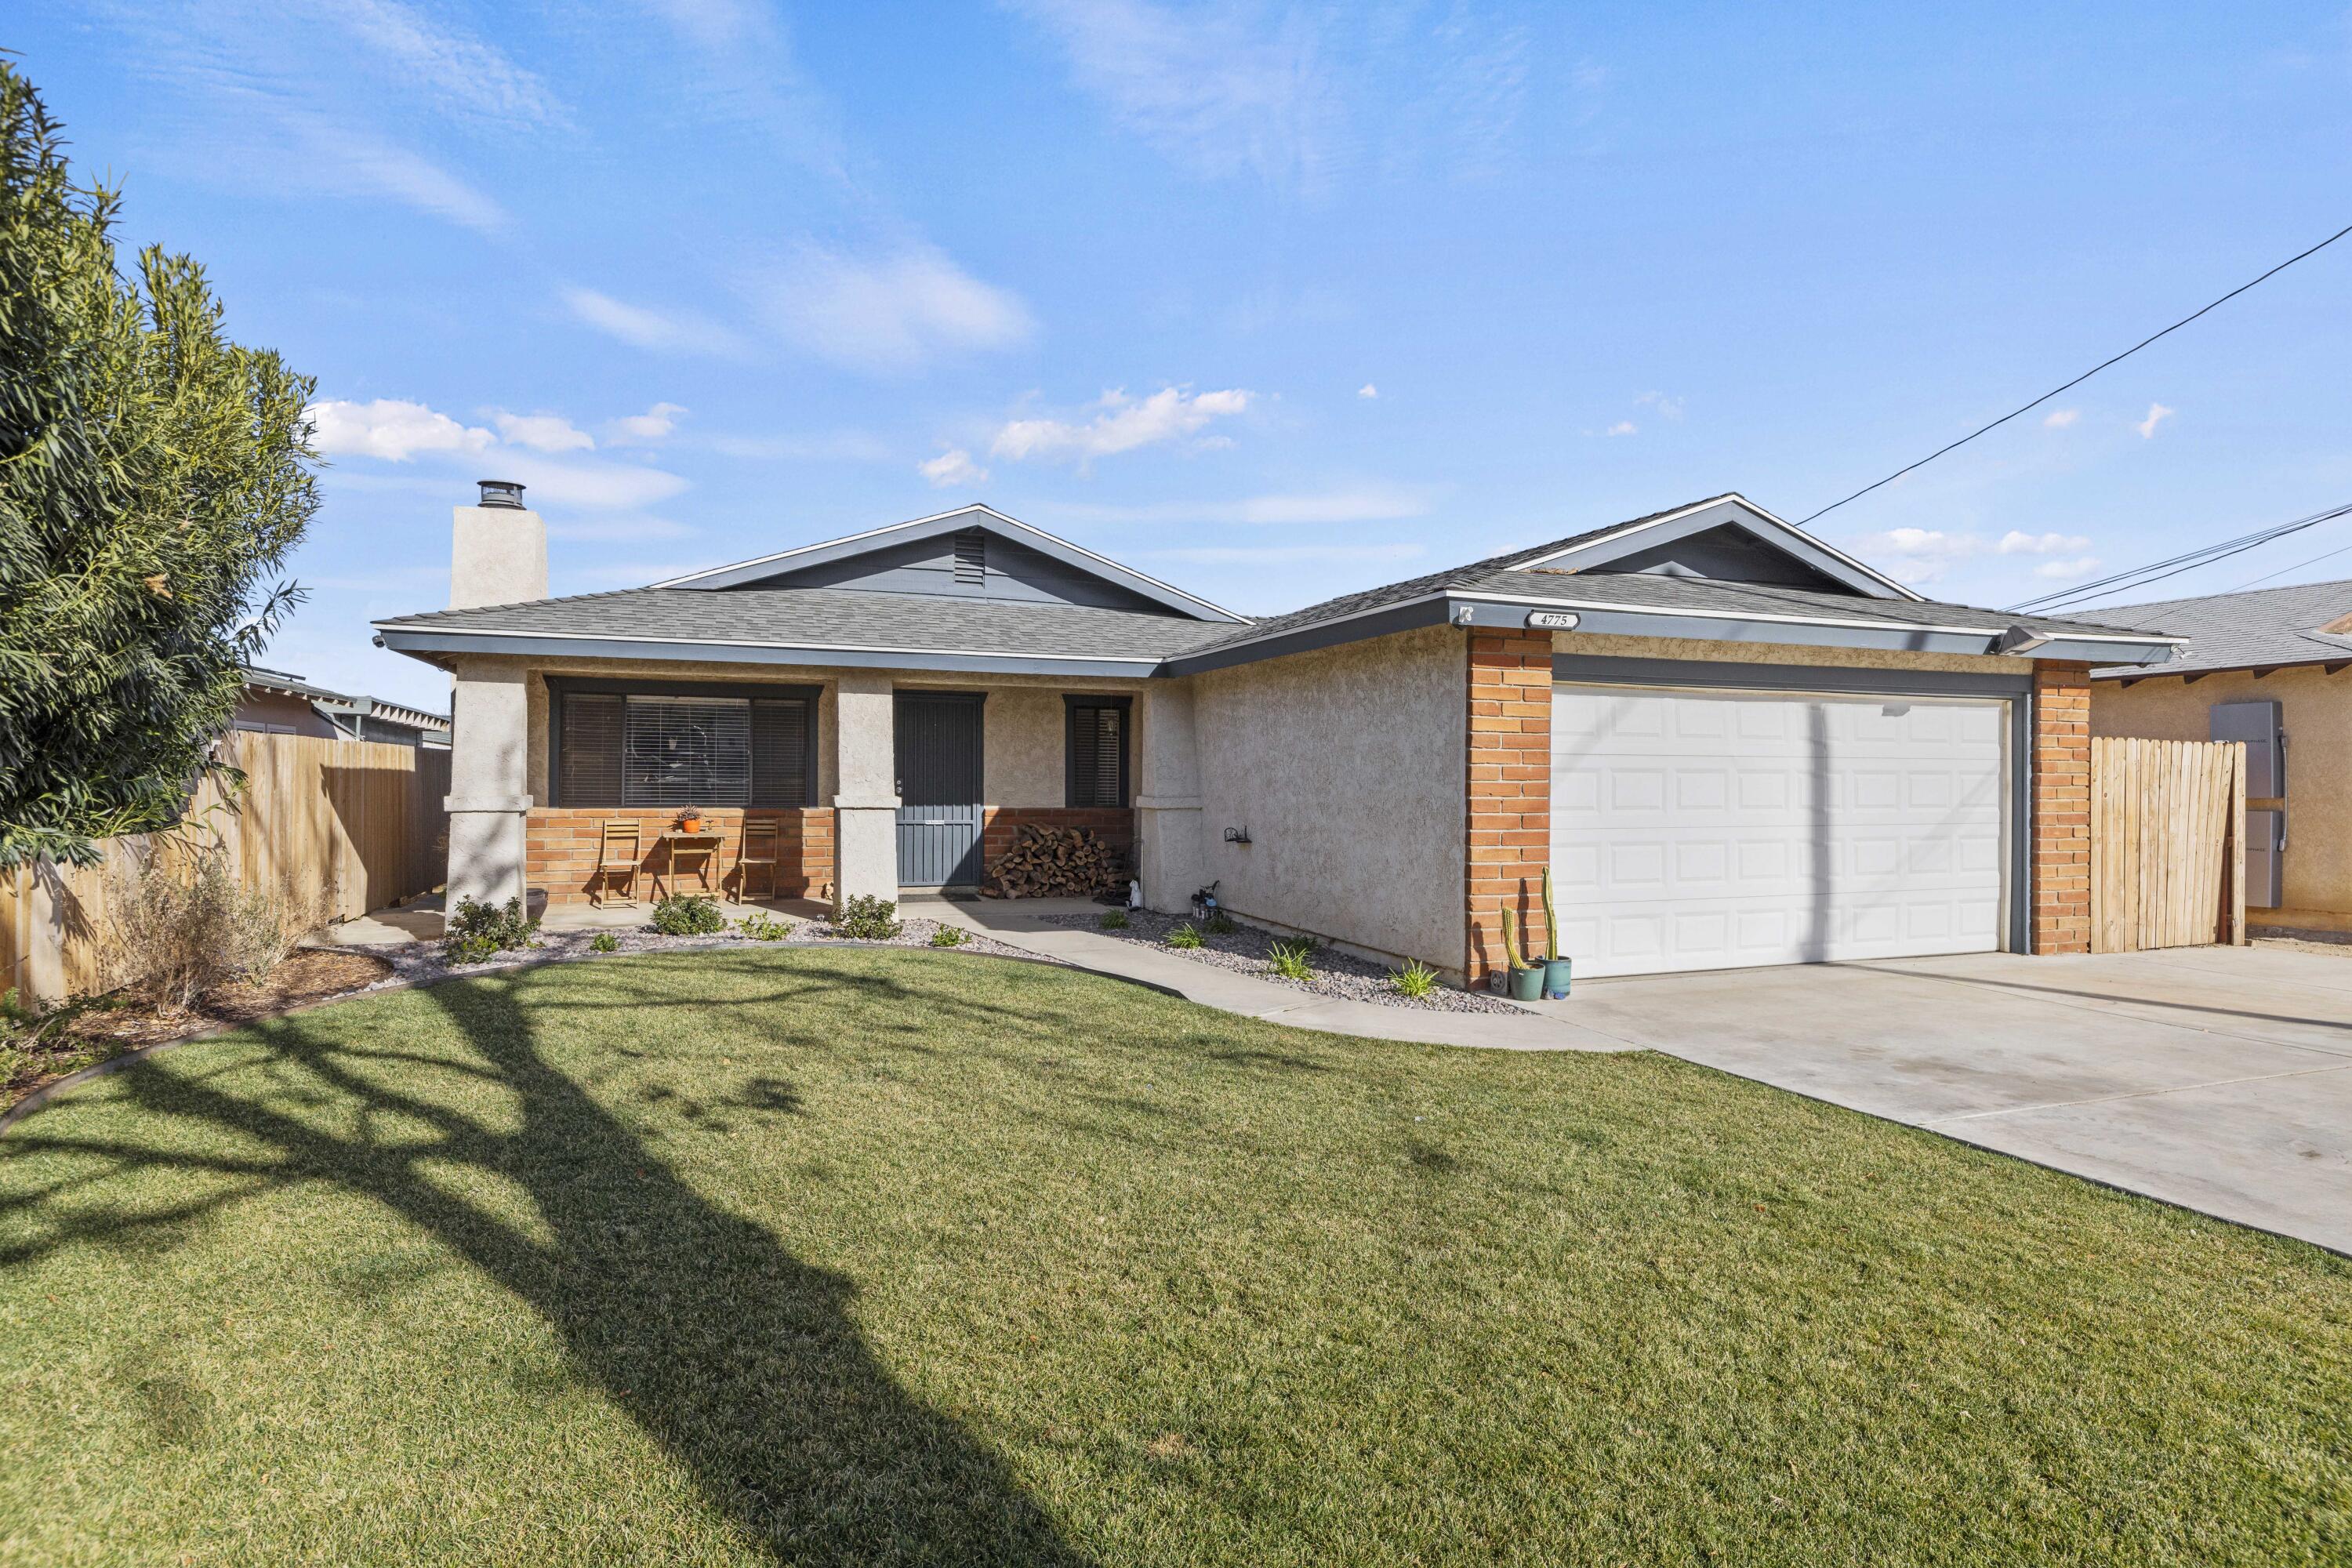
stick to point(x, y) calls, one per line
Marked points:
point(690, 820)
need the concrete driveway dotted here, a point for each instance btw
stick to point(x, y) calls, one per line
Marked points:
point(2216, 1078)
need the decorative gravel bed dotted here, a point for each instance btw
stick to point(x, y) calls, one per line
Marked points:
point(419, 963)
point(1245, 949)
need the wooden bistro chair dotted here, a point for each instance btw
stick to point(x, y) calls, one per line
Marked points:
point(620, 847)
point(757, 848)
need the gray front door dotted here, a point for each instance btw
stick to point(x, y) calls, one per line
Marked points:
point(938, 788)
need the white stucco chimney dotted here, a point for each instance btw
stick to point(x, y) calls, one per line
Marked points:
point(497, 551)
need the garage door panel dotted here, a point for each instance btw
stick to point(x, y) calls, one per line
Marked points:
point(1718, 829)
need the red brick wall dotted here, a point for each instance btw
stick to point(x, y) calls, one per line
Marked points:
point(2062, 808)
point(1000, 824)
point(562, 844)
point(1508, 774)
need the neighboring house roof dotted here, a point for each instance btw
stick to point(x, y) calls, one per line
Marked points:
point(259, 679)
point(1563, 583)
point(2264, 628)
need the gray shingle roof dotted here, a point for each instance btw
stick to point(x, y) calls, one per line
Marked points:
point(838, 618)
point(2238, 631)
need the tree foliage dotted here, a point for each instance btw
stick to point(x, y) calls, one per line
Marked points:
point(152, 474)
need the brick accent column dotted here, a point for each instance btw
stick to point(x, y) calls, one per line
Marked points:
point(2062, 808)
point(1507, 770)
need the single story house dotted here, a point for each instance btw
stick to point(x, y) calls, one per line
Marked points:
point(2262, 667)
point(1732, 743)
point(278, 703)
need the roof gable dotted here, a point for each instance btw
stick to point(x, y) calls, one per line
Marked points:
point(1726, 539)
point(923, 557)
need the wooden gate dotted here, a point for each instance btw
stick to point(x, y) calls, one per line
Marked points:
point(2167, 844)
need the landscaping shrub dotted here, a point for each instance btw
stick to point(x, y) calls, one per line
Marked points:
point(1416, 979)
point(689, 914)
point(1288, 959)
point(1184, 936)
point(1221, 924)
point(479, 931)
point(869, 917)
point(761, 926)
point(951, 936)
point(181, 929)
point(1114, 919)
point(603, 942)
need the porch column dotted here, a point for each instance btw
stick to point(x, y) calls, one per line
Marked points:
point(1170, 857)
point(866, 811)
point(489, 795)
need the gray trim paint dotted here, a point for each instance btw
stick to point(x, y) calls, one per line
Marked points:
point(1735, 513)
point(2016, 690)
point(949, 522)
point(431, 642)
point(1890, 637)
point(1409, 617)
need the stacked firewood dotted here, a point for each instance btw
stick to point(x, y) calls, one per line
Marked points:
point(1055, 862)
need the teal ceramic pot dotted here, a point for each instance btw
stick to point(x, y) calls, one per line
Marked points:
point(1555, 970)
point(1526, 985)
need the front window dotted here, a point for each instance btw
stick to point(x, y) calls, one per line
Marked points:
point(671, 749)
point(1097, 741)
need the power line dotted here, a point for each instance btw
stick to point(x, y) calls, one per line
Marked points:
point(2079, 380)
point(2298, 566)
point(2173, 566)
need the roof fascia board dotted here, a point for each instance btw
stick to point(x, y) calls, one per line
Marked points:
point(1430, 610)
point(1742, 513)
point(1012, 527)
point(2190, 672)
point(421, 642)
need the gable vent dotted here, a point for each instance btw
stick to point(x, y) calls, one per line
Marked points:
point(971, 558)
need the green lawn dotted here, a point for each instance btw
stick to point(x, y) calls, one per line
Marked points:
point(870, 1256)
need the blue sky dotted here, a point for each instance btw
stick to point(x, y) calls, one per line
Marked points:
point(1275, 301)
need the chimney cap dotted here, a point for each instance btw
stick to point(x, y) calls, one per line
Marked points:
point(505, 493)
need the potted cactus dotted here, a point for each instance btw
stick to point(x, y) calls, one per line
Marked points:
point(1556, 965)
point(1526, 979)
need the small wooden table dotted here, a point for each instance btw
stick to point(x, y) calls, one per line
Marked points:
point(703, 846)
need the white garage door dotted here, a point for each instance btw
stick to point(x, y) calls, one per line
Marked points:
point(1714, 830)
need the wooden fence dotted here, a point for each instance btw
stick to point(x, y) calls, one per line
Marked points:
point(2167, 844)
point(361, 819)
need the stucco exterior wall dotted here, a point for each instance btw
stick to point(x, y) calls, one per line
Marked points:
point(2316, 709)
point(1345, 765)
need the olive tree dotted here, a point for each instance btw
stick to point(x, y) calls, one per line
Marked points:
point(153, 475)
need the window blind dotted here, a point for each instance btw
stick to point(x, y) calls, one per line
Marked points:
point(1097, 755)
point(657, 749)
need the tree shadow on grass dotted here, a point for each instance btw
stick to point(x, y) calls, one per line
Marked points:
point(742, 1361)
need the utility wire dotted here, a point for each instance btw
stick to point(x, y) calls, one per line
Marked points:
point(2298, 566)
point(2173, 566)
point(2079, 380)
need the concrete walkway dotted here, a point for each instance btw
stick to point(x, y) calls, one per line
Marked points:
point(1026, 923)
point(2219, 1078)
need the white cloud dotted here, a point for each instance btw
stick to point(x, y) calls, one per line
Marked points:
point(952, 468)
point(1357, 504)
point(651, 426)
point(541, 432)
point(1206, 87)
point(1368, 390)
point(609, 530)
point(1668, 408)
point(349, 162)
point(887, 314)
point(664, 332)
point(2156, 413)
point(2060, 418)
point(1285, 554)
point(389, 428)
point(464, 71)
point(1622, 427)
point(590, 482)
point(2014, 542)
point(1122, 425)
point(2064, 570)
